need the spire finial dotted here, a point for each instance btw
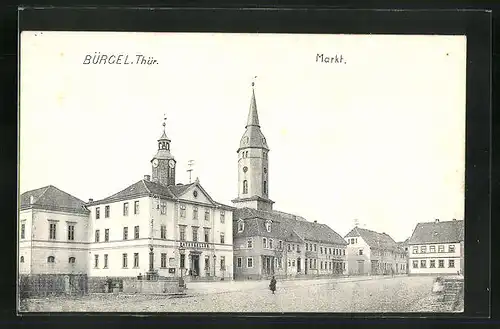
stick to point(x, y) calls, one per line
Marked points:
point(164, 121)
point(253, 82)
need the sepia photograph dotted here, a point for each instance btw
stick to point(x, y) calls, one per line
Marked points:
point(226, 172)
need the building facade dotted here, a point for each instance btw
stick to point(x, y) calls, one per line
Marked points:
point(373, 253)
point(52, 231)
point(437, 248)
point(269, 242)
point(153, 226)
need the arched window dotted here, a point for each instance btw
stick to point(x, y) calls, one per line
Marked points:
point(245, 187)
point(241, 225)
point(268, 225)
point(22, 259)
point(167, 146)
point(50, 259)
point(265, 187)
point(71, 260)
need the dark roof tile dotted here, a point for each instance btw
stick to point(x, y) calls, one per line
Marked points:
point(438, 232)
point(52, 198)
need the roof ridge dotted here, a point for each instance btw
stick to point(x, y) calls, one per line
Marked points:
point(44, 191)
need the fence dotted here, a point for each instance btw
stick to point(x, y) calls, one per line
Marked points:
point(42, 285)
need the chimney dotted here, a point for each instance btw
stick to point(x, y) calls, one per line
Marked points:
point(316, 221)
point(90, 199)
point(454, 219)
point(437, 220)
point(147, 177)
point(32, 199)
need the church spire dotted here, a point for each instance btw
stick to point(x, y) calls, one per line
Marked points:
point(164, 124)
point(253, 117)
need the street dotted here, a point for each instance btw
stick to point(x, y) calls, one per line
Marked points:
point(355, 294)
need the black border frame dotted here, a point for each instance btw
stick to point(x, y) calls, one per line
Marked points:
point(475, 24)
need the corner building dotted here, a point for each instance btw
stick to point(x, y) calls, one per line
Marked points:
point(269, 242)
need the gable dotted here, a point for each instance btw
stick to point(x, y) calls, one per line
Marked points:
point(196, 193)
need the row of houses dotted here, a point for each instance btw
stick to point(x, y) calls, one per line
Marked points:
point(157, 227)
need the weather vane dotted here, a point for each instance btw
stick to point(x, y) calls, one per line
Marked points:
point(253, 81)
point(164, 121)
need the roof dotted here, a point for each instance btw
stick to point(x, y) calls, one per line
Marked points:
point(374, 239)
point(144, 188)
point(51, 198)
point(287, 224)
point(253, 136)
point(438, 232)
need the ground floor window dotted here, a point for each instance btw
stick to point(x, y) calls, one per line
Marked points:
point(451, 263)
point(163, 261)
point(239, 262)
point(441, 263)
point(249, 262)
point(415, 264)
point(182, 261)
point(432, 263)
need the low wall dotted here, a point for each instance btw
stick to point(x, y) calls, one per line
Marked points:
point(41, 285)
point(150, 287)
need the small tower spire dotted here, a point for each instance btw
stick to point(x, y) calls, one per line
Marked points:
point(253, 117)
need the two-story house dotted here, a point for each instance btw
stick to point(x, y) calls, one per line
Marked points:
point(53, 229)
point(437, 248)
point(370, 252)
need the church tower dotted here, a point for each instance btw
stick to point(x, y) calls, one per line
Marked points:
point(253, 164)
point(163, 163)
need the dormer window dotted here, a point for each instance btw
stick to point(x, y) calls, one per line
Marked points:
point(241, 226)
point(268, 225)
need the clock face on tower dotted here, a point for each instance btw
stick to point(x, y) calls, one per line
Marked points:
point(155, 163)
point(172, 164)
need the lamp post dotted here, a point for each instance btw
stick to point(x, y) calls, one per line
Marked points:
point(152, 274)
point(215, 260)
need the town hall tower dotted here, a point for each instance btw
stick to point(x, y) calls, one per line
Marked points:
point(163, 163)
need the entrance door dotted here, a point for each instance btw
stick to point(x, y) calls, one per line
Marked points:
point(268, 265)
point(298, 265)
point(305, 267)
point(360, 267)
point(195, 261)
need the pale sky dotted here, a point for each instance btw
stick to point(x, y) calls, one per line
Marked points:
point(380, 138)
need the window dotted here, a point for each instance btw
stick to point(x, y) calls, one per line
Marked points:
point(415, 250)
point(268, 226)
point(207, 214)
point(432, 249)
point(222, 216)
point(136, 207)
point(293, 247)
point(432, 263)
point(136, 260)
point(423, 263)
point(183, 211)
point(360, 252)
point(249, 243)
point(71, 260)
point(96, 261)
point(106, 212)
point(241, 225)
point(451, 263)
point(125, 209)
point(307, 246)
point(423, 249)
point(106, 235)
point(245, 187)
point(239, 262)
point(451, 248)
point(441, 263)
point(195, 233)
point(321, 250)
point(124, 261)
point(207, 234)
point(97, 213)
point(289, 263)
point(270, 243)
point(289, 247)
point(182, 233)
point(182, 261)
point(96, 235)
point(207, 263)
point(222, 238)
point(163, 232)
point(249, 262)
point(125, 233)
point(321, 265)
point(293, 263)
point(265, 187)
point(52, 231)
point(195, 213)
point(222, 263)
point(440, 248)
point(163, 208)
point(330, 251)
point(22, 259)
point(105, 260)
point(51, 259)
point(264, 243)
point(315, 247)
point(71, 232)
point(415, 264)
point(136, 232)
point(343, 252)
point(163, 260)
point(298, 248)
point(280, 244)
point(23, 230)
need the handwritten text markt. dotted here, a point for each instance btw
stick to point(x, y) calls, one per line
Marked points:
point(118, 59)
